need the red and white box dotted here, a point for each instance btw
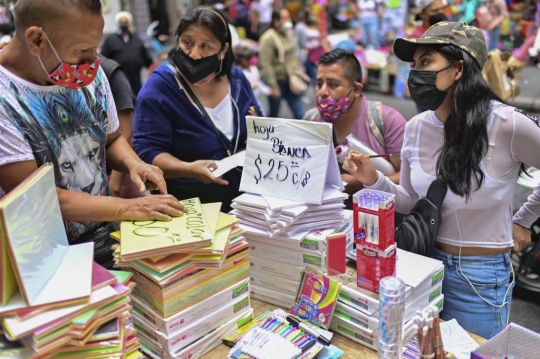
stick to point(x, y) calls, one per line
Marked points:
point(372, 265)
point(374, 222)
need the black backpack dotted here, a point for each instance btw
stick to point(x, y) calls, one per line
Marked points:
point(418, 231)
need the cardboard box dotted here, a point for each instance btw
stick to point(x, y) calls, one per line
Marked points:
point(512, 342)
point(198, 348)
point(273, 283)
point(273, 297)
point(360, 298)
point(274, 268)
point(285, 255)
point(372, 265)
point(192, 314)
point(437, 300)
point(385, 218)
point(191, 333)
point(369, 323)
point(419, 272)
point(368, 339)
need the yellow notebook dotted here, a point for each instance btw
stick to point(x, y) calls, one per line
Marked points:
point(42, 260)
point(9, 281)
point(142, 239)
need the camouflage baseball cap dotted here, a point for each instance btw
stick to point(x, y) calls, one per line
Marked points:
point(468, 38)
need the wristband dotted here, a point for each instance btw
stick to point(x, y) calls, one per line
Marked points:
point(522, 226)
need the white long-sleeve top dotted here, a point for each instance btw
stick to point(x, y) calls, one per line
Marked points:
point(486, 220)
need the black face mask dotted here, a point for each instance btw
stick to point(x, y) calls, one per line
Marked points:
point(196, 70)
point(424, 91)
point(124, 27)
point(433, 19)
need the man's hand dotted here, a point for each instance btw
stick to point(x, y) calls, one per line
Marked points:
point(161, 207)
point(201, 171)
point(522, 237)
point(148, 177)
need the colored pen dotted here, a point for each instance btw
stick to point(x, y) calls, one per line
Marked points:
point(279, 327)
point(267, 325)
point(308, 345)
point(303, 338)
point(284, 330)
point(307, 329)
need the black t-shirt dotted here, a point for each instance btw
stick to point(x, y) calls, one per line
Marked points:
point(120, 87)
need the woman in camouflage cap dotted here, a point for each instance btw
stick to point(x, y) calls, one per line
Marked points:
point(478, 146)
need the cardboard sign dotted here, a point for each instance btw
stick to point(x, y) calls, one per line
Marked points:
point(290, 159)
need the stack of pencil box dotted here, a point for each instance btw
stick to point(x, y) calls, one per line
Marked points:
point(357, 313)
point(277, 264)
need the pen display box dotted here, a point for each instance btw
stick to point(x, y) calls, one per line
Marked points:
point(372, 265)
point(512, 342)
point(374, 222)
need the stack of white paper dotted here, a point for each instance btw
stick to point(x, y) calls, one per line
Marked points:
point(284, 236)
point(280, 217)
point(357, 314)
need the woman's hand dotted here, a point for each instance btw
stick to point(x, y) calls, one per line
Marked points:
point(202, 171)
point(358, 165)
point(148, 177)
point(522, 237)
point(275, 93)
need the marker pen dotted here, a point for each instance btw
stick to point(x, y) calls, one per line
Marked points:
point(307, 329)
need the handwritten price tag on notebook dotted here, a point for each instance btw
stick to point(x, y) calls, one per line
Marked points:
point(289, 159)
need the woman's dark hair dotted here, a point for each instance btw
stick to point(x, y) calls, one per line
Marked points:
point(465, 129)
point(276, 16)
point(216, 23)
point(242, 52)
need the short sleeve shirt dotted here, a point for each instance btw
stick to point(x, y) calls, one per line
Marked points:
point(394, 129)
point(67, 128)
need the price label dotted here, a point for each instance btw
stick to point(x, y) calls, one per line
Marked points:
point(288, 159)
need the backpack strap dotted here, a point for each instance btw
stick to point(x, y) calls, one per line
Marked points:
point(376, 121)
point(436, 193)
point(279, 44)
point(311, 114)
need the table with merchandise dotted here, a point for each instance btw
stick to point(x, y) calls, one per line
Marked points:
point(352, 350)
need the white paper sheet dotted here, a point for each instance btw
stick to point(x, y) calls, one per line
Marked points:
point(228, 163)
point(413, 269)
point(456, 340)
point(289, 159)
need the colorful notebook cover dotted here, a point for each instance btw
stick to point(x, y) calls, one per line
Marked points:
point(142, 239)
point(35, 238)
point(317, 297)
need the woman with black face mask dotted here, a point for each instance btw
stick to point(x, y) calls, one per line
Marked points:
point(477, 146)
point(192, 113)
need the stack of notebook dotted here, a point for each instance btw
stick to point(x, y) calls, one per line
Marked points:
point(55, 301)
point(357, 312)
point(192, 279)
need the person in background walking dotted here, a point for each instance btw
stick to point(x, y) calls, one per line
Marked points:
point(126, 48)
point(309, 44)
point(497, 12)
point(278, 56)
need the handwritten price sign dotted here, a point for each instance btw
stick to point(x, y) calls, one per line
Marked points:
point(289, 159)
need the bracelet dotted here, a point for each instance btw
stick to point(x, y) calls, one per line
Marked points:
point(522, 226)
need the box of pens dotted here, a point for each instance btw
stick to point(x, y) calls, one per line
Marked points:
point(372, 265)
point(279, 335)
point(374, 218)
